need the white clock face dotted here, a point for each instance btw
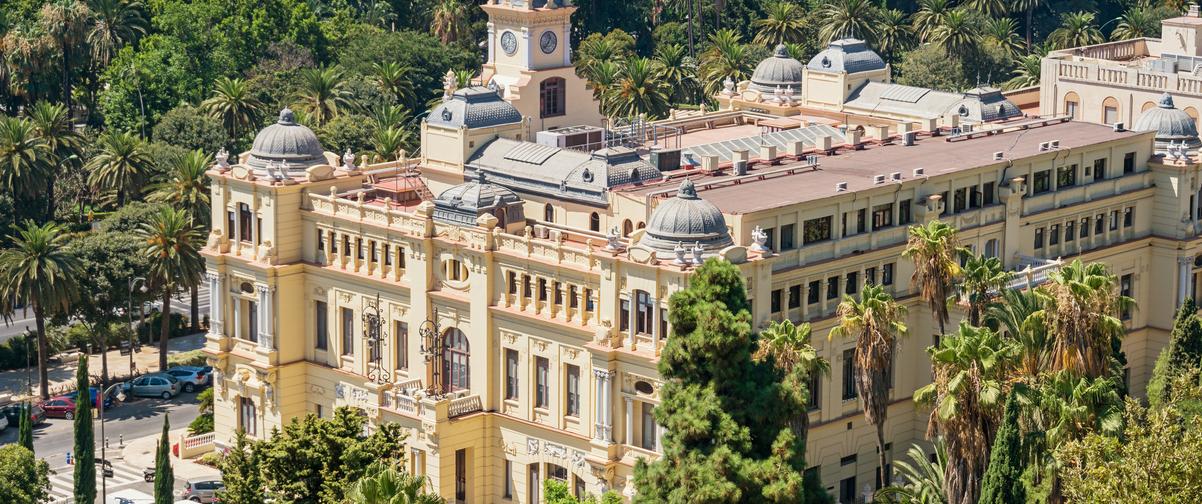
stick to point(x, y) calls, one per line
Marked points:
point(509, 43)
point(548, 41)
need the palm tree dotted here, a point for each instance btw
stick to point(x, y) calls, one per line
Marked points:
point(25, 158)
point(1011, 315)
point(678, 70)
point(187, 188)
point(1136, 22)
point(390, 115)
point(1028, 6)
point(876, 322)
point(1076, 29)
point(783, 23)
point(929, 17)
point(393, 80)
point(390, 141)
point(1027, 73)
point(893, 33)
point(848, 18)
point(115, 24)
point(1003, 34)
point(450, 20)
point(989, 8)
point(386, 484)
point(602, 76)
point(322, 93)
point(640, 90)
point(64, 22)
point(982, 278)
point(958, 33)
point(970, 372)
point(788, 347)
point(233, 102)
point(922, 477)
point(120, 166)
point(726, 57)
point(39, 270)
point(934, 249)
point(1081, 317)
point(173, 249)
point(52, 123)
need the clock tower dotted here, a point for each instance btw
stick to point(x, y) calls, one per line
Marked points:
point(530, 61)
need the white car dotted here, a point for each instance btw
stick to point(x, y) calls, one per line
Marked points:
point(129, 496)
point(3, 422)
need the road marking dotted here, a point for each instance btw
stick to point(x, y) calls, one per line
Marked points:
point(62, 481)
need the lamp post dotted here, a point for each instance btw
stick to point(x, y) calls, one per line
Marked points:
point(433, 349)
point(376, 339)
point(129, 313)
point(104, 442)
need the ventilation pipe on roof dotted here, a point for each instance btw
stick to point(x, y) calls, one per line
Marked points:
point(768, 154)
point(908, 138)
point(709, 163)
point(895, 175)
point(878, 179)
point(740, 167)
point(882, 133)
point(999, 155)
point(796, 147)
point(840, 186)
point(920, 172)
point(739, 155)
point(824, 144)
point(1119, 127)
point(853, 138)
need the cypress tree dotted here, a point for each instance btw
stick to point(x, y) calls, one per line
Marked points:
point(1185, 344)
point(164, 477)
point(1002, 483)
point(85, 445)
point(726, 418)
point(25, 434)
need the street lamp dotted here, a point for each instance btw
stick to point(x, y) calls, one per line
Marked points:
point(376, 339)
point(104, 442)
point(129, 313)
point(433, 347)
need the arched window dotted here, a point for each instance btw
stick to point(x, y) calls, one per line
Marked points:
point(549, 213)
point(1147, 106)
point(1110, 110)
point(551, 97)
point(456, 366)
point(1072, 103)
point(627, 227)
point(641, 225)
point(594, 222)
point(500, 215)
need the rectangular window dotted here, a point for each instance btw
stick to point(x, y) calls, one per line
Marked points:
point(1128, 163)
point(321, 324)
point(246, 416)
point(946, 203)
point(507, 480)
point(1054, 234)
point(511, 374)
point(1066, 176)
point(1038, 238)
point(542, 285)
point(813, 384)
point(252, 321)
point(1128, 217)
point(663, 323)
point(1042, 182)
point(987, 193)
point(849, 375)
point(245, 223)
point(374, 254)
point(903, 212)
point(770, 242)
point(1070, 232)
point(1099, 169)
point(887, 274)
point(400, 257)
point(648, 426)
point(816, 230)
point(870, 276)
point(1084, 233)
point(461, 475)
point(775, 300)
point(386, 252)
point(861, 218)
point(1099, 223)
point(960, 200)
point(646, 312)
point(573, 380)
point(787, 238)
point(812, 292)
point(401, 329)
point(847, 491)
point(1126, 289)
point(1110, 115)
point(346, 246)
point(853, 282)
point(624, 316)
point(795, 296)
point(541, 387)
point(832, 288)
point(1114, 220)
point(974, 198)
point(229, 224)
point(882, 216)
point(348, 331)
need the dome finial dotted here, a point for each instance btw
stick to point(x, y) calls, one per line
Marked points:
point(782, 51)
point(1166, 101)
point(287, 117)
point(686, 191)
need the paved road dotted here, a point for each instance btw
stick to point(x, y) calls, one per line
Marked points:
point(182, 305)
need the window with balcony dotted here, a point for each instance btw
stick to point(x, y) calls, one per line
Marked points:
point(960, 200)
point(649, 427)
point(775, 296)
point(401, 330)
point(1084, 233)
point(1054, 234)
point(853, 283)
point(1099, 223)
point(816, 230)
point(247, 420)
point(887, 274)
point(1114, 220)
point(813, 292)
point(645, 316)
point(1070, 231)
point(870, 276)
point(245, 223)
point(832, 288)
point(770, 238)
point(795, 296)
point(456, 367)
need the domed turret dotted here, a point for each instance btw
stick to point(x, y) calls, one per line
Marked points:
point(285, 144)
point(848, 56)
point(464, 203)
point(1172, 126)
point(474, 107)
point(686, 220)
point(777, 70)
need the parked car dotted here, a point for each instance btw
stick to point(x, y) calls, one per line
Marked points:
point(129, 496)
point(148, 474)
point(106, 467)
point(60, 407)
point(12, 413)
point(202, 490)
point(193, 377)
point(153, 385)
point(3, 422)
point(92, 393)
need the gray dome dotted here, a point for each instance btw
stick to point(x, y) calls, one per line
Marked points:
point(1171, 125)
point(686, 219)
point(463, 203)
point(474, 107)
point(847, 55)
point(777, 70)
point(285, 143)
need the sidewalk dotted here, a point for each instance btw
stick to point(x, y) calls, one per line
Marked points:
point(139, 453)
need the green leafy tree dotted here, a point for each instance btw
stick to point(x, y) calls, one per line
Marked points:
point(930, 66)
point(393, 80)
point(918, 480)
point(726, 417)
point(981, 278)
point(241, 472)
point(929, 17)
point(1011, 315)
point(876, 321)
point(173, 250)
point(894, 34)
point(25, 428)
point(85, 443)
point(323, 93)
point(1003, 34)
point(1081, 317)
point(727, 57)
point(187, 188)
point(191, 128)
point(64, 23)
point(640, 90)
point(848, 18)
point(52, 123)
point(235, 105)
point(450, 20)
point(40, 271)
point(384, 483)
point(782, 23)
point(23, 477)
point(1183, 353)
point(679, 70)
point(25, 158)
point(120, 166)
point(1026, 74)
point(1076, 29)
point(958, 32)
point(787, 346)
point(934, 249)
point(164, 475)
point(115, 24)
point(1003, 483)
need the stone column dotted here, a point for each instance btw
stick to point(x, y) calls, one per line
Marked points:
point(659, 438)
point(598, 422)
point(656, 323)
point(603, 430)
point(215, 306)
point(1184, 268)
point(629, 434)
point(265, 314)
point(632, 317)
point(237, 318)
point(581, 305)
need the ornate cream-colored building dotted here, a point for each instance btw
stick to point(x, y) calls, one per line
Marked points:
point(506, 301)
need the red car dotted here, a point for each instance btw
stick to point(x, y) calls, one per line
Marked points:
point(60, 407)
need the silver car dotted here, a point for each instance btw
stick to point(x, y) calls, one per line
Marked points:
point(202, 490)
point(193, 377)
point(154, 385)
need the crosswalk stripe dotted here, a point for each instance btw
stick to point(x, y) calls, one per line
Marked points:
point(62, 481)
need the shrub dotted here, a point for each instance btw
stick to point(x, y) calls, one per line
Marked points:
point(201, 424)
point(211, 459)
point(189, 358)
